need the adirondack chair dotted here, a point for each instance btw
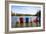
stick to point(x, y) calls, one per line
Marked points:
point(21, 21)
point(27, 21)
point(36, 21)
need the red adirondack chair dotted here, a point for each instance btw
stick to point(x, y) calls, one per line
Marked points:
point(21, 21)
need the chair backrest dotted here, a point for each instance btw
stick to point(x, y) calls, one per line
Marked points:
point(21, 20)
point(27, 19)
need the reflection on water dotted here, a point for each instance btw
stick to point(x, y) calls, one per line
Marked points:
point(28, 21)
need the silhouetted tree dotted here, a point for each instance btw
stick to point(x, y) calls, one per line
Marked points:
point(12, 14)
point(38, 13)
point(39, 16)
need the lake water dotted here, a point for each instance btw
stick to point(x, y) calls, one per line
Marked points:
point(16, 18)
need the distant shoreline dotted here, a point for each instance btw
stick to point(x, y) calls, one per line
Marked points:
point(22, 15)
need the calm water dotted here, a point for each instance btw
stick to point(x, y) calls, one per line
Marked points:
point(16, 18)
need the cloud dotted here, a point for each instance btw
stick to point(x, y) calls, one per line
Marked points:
point(25, 9)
